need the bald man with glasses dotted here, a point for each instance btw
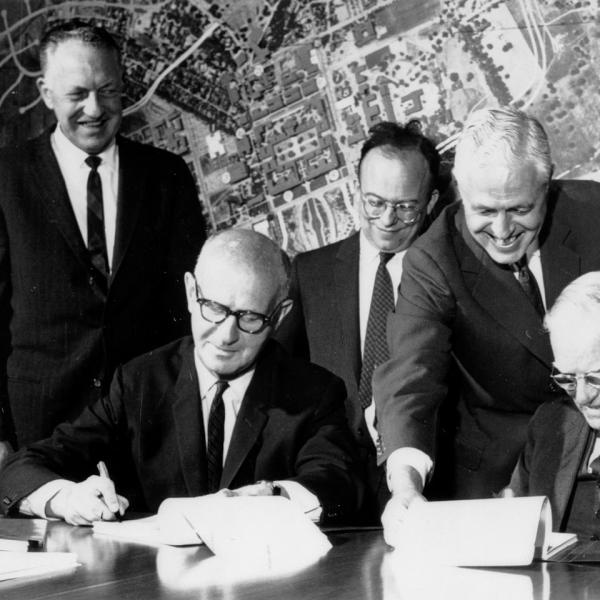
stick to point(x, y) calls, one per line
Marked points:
point(223, 408)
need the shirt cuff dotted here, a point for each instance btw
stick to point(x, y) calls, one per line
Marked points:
point(35, 503)
point(407, 457)
point(306, 500)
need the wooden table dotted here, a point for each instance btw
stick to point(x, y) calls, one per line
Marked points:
point(359, 566)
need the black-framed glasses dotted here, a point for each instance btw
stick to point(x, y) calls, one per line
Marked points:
point(568, 381)
point(246, 320)
point(374, 207)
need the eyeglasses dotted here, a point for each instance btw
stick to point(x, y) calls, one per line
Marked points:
point(247, 321)
point(568, 381)
point(375, 207)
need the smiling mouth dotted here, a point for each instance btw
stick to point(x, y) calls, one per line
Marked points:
point(506, 242)
point(92, 124)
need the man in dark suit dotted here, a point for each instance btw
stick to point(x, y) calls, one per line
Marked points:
point(469, 355)
point(228, 409)
point(561, 458)
point(333, 287)
point(91, 257)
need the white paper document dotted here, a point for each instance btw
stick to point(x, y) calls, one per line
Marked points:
point(480, 533)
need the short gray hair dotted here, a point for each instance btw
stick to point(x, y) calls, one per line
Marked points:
point(580, 296)
point(506, 132)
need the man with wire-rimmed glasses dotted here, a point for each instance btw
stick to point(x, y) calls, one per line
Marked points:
point(223, 408)
point(343, 292)
point(561, 458)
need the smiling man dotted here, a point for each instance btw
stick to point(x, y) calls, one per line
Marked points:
point(224, 408)
point(343, 292)
point(561, 458)
point(95, 234)
point(470, 360)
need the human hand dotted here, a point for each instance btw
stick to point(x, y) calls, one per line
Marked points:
point(260, 488)
point(5, 450)
point(407, 490)
point(94, 499)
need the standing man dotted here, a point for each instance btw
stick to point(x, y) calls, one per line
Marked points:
point(473, 293)
point(343, 292)
point(95, 235)
point(223, 408)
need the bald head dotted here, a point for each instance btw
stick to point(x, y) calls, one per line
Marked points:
point(246, 254)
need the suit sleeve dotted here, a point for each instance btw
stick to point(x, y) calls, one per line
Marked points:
point(326, 462)
point(291, 334)
point(72, 452)
point(186, 236)
point(410, 387)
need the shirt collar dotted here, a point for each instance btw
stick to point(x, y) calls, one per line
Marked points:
point(76, 156)
point(207, 380)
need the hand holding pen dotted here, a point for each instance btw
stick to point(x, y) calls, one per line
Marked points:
point(94, 499)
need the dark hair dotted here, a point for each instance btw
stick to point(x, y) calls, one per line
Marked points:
point(395, 138)
point(76, 29)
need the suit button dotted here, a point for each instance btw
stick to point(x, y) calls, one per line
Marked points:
point(91, 280)
point(360, 431)
point(96, 382)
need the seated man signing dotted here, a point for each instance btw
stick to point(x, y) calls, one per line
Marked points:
point(561, 458)
point(225, 409)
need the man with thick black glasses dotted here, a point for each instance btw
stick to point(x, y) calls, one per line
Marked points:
point(343, 292)
point(561, 458)
point(224, 408)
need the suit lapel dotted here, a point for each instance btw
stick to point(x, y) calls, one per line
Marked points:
point(347, 293)
point(131, 189)
point(52, 191)
point(186, 410)
point(560, 263)
point(496, 289)
point(251, 419)
point(576, 434)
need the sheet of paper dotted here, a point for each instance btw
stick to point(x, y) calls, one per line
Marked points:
point(476, 533)
point(29, 564)
point(142, 531)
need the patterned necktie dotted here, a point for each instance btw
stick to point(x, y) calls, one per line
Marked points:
point(376, 350)
point(95, 218)
point(216, 436)
point(528, 284)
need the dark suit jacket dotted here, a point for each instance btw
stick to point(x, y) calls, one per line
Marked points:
point(149, 428)
point(61, 335)
point(323, 326)
point(464, 339)
point(556, 445)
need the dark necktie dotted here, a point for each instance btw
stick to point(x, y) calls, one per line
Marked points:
point(95, 218)
point(376, 350)
point(528, 284)
point(216, 436)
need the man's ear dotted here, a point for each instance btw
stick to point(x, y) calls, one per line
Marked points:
point(45, 92)
point(433, 198)
point(284, 309)
point(190, 290)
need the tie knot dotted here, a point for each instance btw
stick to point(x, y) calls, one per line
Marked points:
point(520, 264)
point(220, 386)
point(385, 257)
point(93, 162)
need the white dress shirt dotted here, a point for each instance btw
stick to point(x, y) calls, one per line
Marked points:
point(418, 459)
point(75, 172)
point(367, 270)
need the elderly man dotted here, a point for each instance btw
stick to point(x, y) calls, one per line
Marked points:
point(95, 233)
point(470, 360)
point(561, 458)
point(343, 292)
point(222, 410)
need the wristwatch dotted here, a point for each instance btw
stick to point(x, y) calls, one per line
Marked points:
point(273, 487)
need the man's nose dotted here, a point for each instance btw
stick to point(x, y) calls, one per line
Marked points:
point(501, 225)
point(92, 106)
point(228, 331)
point(388, 216)
point(585, 393)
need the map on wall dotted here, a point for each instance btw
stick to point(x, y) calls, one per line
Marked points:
point(269, 101)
